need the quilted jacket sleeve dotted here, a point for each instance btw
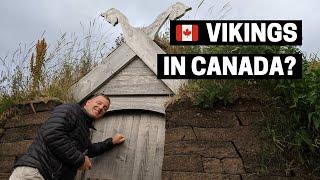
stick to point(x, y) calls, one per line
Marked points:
point(55, 134)
point(97, 149)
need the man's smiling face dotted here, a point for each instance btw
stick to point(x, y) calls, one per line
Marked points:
point(97, 106)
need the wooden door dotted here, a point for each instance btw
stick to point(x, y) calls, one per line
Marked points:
point(140, 156)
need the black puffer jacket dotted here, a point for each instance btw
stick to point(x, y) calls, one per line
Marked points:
point(58, 150)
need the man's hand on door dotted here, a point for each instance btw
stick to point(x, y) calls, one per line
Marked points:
point(117, 139)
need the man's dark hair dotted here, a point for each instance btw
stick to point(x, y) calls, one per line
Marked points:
point(93, 96)
point(100, 94)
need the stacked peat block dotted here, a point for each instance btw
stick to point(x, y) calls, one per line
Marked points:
point(212, 144)
point(17, 130)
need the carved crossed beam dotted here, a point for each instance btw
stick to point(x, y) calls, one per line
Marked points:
point(141, 41)
point(138, 41)
point(177, 10)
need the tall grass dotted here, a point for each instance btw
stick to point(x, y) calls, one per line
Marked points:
point(43, 70)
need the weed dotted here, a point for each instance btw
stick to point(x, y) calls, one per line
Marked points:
point(213, 91)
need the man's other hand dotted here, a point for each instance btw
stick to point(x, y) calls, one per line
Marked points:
point(117, 139)
point(87, 164)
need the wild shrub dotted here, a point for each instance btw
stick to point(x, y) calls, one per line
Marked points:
point(299, 102)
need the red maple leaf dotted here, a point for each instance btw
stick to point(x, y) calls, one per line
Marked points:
point(187, 32)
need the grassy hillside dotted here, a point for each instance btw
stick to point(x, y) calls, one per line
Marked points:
point(292, 127)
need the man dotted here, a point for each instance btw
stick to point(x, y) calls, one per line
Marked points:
point(62, 145)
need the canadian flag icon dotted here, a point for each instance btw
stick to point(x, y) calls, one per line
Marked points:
point(187, 32)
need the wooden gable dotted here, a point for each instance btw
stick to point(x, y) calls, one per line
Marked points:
point(135, 79)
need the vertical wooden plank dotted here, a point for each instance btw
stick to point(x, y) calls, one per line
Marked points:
point(98, 134)
point(142, 146)
point(110, 124)
point(126, 131)
point(122, 150)
point(159, 148)
point(132, 149)
point(113, 161)
point(152, 143)
point(123, 170)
